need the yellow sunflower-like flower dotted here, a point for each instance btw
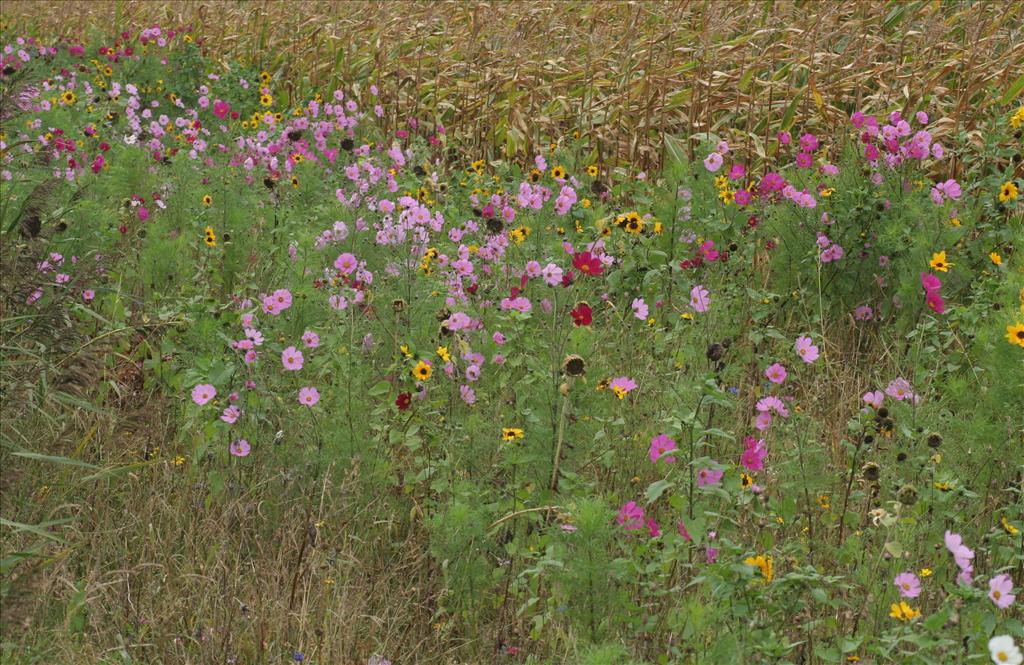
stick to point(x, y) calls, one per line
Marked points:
point(764, 564)
point(903, 612)
point(939, 262)
point(1008, 192)
point(511, 433)
point(1015, 334)
point(422, 371)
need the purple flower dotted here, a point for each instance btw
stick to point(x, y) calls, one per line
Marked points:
point(713, 162)
point(203, 393)
point(239, 448)
point(1000, 590)
point(292, 359)
point(308, 396)
point(622, 386)
point(699, 299)
point(908, 585)
point(776, 373)
point(708, 477)
point(640, 309)
point(806, 349)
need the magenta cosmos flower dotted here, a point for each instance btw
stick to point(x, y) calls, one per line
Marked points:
point(754, 454)
point(203, 393)
point(292, 359)
point(1001, 591)
point(660, 445)
point(908, 585)
point(308, 396)
point(805, 349)
point(631, 516)
point(239, 448)
point(776, 373)
point(708, 477)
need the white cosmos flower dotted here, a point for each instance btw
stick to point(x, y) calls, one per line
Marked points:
point(1004, 651)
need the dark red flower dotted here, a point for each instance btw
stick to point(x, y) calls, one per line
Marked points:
point(403, 401)
point(587, 263)
point(582, 315)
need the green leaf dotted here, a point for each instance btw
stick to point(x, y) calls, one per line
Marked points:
point(381, 388)
point(1013, 91)
point(38, 529)
point(790, 114)
point(675, 151)
point(54, 459)
point(656, 489)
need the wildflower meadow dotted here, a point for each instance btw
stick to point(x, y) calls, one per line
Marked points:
point(599, 333)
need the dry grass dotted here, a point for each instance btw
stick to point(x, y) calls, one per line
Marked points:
point(509, 75)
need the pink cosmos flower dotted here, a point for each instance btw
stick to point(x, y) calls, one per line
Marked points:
point(88, 295)
point(640, 309)
point(874, 399)
point(713, 162)
point(308, 396)
point(660, 445)
point(203, 393)
point(310, 339)
point(231, 414)
point(631, 516)
point(239, 448)
point(908, 585)
point(683, 531)
point(776, 373)
point(292, 359)
point(622, 386)
point(709, 477)
point(962, 555)
point(283, 298)
point(699, 298)
point(806, 349)
point(754, 454)
point(653, 530)
point(468, 395)
point(773, 404)
point(899, 389)
point(1000, 590)
point(346, 263)
point(864, 313)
